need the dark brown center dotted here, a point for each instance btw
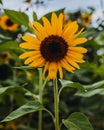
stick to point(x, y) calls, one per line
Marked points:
point(53, 48)
point(86, 18)
point(9, 22)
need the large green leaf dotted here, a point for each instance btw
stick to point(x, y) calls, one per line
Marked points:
point(93, 89)
point(6, 90)
point(18, 17)
point(90, 93)
point(66, 83)
point(9, 45)
point(10, 89)
point(96, 85)
point(30, 107)
point(77, 121)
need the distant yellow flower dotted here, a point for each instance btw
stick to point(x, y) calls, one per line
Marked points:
point(7, 24)
point(54, 47)
point(8, 126)
point(4, 57)
point(86, 19)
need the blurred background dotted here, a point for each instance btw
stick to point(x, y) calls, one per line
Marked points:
point(90, 15)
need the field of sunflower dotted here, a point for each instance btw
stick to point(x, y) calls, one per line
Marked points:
point(51, 70)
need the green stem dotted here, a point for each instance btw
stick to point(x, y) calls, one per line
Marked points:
point(56, 105)
point(40, 98)
point(40, 120)
point(49, 114)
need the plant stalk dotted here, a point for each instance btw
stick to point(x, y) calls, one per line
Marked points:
point(40, 99)
point(56, 105)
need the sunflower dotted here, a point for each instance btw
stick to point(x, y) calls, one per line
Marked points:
point(5, 57)
point(86, 19)
point(54, 47)
point(7, 24)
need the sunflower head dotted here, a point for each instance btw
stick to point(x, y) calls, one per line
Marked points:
point(86, 19)
point(54, 46)
point(7, 24)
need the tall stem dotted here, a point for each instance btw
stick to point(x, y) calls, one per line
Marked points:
point(56, 105)
point(40, 98)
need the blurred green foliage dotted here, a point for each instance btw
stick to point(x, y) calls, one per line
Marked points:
point(19, 83)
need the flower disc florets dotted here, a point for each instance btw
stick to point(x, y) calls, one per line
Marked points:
point(53, 48)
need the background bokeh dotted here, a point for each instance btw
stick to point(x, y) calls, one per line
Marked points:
point(90, 15)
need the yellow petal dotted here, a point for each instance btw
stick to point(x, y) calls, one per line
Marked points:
point(78, 41)
point(78, 49)
point(29, 45)
point(27, 54)
point(66, 66)
point(30, 38)
point(76, 57)
point(40, 29)
point(74, 64)
point(80, 61)
point(29, 60)
point(69, 40)
point(32, 58)
point(60, 25)
point(52, 70)
point(77, 34)
point(70, 30)
point(47, 26)
point(74, 54)
point(77, 60)
point(45, 69)
point(38, 34)
point(39, 62)
point(60, 70)
point(54, 23)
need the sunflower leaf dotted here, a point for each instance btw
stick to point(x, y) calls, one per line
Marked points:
point(93, 89)
point(9, 45)
point(17, 17)
point(66, 83)
point(77, 121)
point(35, 16)
point(30, 107)
point(7, 90)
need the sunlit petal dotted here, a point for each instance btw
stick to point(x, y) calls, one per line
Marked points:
point(78, 49)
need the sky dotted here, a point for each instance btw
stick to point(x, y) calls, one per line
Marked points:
point(52, 5)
